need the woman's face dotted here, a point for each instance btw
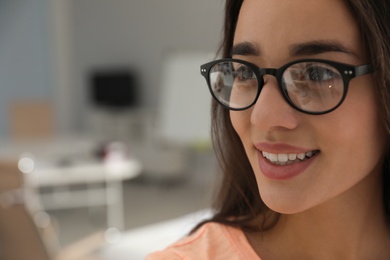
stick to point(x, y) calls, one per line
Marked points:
point(328, 154)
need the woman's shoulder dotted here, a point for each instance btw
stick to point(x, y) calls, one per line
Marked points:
point(210, 241)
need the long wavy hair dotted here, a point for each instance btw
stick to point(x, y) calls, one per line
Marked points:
point(238, 202)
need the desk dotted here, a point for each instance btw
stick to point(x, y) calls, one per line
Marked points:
point(49, 171)
point(45, 175)
point(90, 174)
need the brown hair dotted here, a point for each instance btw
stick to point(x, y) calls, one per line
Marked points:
point(238, 195)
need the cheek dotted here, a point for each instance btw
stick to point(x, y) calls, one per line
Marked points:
point(352, 137)
point(241, 123)
point(360, 142)
point(352, 152)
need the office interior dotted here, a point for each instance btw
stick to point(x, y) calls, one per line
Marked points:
point(104, 116)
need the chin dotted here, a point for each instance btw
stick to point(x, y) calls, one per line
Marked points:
point(284, 209)
point(283, 203)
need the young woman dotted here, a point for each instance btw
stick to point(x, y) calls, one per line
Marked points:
point(301, 125)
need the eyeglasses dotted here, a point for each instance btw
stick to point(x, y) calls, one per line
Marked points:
point(312, 86)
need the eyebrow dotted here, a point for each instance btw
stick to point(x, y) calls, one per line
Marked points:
point(318, 47)
point(300, 49)
point(245, 49)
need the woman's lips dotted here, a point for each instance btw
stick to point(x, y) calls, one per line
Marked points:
point(282, 161)
point(288, 158)
point(283, 171)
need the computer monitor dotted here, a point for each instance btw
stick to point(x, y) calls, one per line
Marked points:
point(114, 88)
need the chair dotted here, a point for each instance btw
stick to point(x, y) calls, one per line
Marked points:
point(31, 119)
point(19, 236)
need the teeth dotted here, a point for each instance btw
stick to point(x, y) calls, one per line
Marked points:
point(292, 157)
point(273, 157)
point(287, 158)
point(309, 154)
point(282, 157)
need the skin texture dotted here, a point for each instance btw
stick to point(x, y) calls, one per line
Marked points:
point(337, 198)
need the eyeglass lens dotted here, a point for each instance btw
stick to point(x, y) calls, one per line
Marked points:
point(310, 86)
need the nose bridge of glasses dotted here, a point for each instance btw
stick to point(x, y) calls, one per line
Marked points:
point(268, 71)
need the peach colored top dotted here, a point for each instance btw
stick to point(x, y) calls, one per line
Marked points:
point(212, 241)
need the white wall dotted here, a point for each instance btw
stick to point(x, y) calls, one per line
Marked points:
point(47, 48)
point(25, 63)
point(139, 34)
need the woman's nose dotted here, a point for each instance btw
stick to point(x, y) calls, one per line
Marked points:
point(271, 110)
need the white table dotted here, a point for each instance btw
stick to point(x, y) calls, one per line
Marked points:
point(103, 181)
point(90, 174)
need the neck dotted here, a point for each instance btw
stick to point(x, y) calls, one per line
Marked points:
point(351, 226)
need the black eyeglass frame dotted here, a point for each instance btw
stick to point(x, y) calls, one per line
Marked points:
point(346, 71)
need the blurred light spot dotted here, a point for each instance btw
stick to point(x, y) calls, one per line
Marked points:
point(115, 159)
point(26, 164)
point(42, 219)
point(112, 235)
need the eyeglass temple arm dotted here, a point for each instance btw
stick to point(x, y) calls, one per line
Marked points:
point(363, 69)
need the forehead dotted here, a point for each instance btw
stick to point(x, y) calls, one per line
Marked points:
point(276, 25)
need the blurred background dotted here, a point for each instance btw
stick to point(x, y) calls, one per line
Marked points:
point(105, 114)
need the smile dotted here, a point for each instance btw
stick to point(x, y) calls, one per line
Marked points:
point(285, 159)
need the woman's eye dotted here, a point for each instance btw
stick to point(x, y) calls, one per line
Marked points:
point(244, 73)
point(320, 74)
